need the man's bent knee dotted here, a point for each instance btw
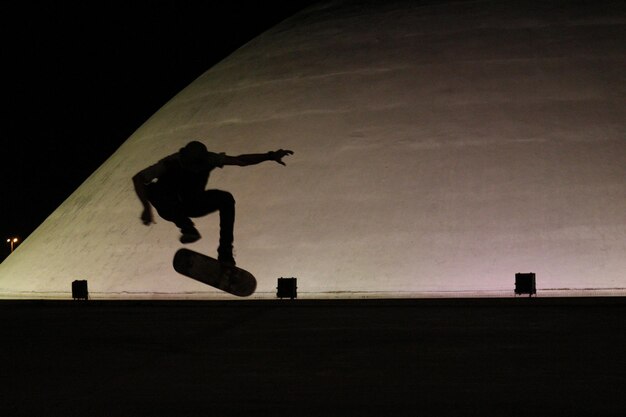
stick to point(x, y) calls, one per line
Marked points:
point(226, 199)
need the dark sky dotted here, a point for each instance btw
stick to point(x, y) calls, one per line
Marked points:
point(78, 80)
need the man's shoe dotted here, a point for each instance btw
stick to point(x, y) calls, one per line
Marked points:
point(225, 254)
point(189, 235)
point(227, 260)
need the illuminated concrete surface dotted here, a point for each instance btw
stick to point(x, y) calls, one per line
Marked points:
point(439, 147)
point(469, 357)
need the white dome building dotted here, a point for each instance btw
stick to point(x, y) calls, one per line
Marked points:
point(439, 149)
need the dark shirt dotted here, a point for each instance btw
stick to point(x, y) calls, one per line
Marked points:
point(170, 177)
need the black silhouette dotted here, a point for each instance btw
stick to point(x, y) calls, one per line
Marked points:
point(209, 271)
point(175, 187)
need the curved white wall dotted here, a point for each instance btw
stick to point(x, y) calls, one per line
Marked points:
point(438, 148)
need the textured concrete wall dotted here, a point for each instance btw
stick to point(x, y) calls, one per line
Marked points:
point(441, 147)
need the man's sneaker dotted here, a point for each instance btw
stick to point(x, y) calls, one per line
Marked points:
point(226, 260)
point(225, 254)
point(189, 235)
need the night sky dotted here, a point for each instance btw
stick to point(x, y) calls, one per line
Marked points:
point(78, 80)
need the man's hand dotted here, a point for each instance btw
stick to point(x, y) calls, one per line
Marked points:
point(146, 217)
point(279, 155)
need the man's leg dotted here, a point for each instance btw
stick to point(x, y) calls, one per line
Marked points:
point(170, 209)
point(222, 201)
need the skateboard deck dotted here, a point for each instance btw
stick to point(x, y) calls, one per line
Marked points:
point(210, 271)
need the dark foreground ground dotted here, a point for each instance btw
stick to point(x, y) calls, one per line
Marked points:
point(464, 357)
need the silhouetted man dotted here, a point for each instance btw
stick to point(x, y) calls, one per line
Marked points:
point(175, 186)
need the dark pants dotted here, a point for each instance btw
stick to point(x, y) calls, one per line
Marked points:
point(172, 209)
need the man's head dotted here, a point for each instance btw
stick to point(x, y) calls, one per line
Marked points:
point(194, 155)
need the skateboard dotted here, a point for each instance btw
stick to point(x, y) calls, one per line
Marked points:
point(210, 271)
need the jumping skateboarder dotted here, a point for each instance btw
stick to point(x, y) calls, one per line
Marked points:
point(174, 186)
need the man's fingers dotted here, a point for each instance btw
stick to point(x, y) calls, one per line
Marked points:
point(281, 154)
point(147, 219)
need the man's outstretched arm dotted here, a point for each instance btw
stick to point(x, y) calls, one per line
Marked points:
point(257, 158)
